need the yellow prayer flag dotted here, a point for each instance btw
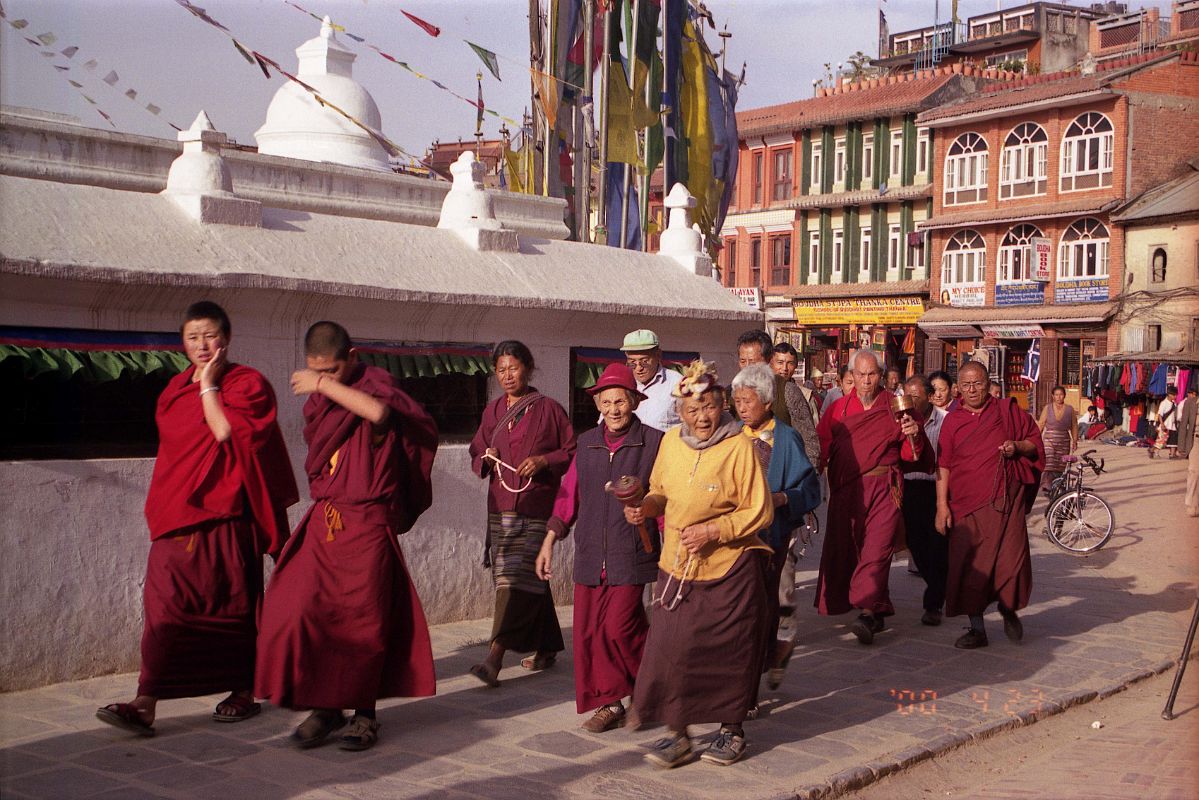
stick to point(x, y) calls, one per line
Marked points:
point(622, 135)
point(516, 182)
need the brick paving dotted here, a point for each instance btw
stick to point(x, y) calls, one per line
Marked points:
point(845, 715)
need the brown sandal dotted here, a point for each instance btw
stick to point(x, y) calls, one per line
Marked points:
point(539, 661)
point(244, 708)
point(486, 674)
point(125, 716)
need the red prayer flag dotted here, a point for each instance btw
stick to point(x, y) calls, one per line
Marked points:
point(427, 27)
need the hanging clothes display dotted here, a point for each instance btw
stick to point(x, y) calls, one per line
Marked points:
point(1126, 378)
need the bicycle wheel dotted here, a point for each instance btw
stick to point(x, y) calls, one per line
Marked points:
point(1080, 522)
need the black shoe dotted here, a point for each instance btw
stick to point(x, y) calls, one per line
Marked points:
point(865, 626)
point(971, 640)
point(931, 616)
point(1013, 628)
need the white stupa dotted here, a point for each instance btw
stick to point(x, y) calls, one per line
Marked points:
point(298, 127)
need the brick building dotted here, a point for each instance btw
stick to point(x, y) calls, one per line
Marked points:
point(1027, 175)
point(824, 217)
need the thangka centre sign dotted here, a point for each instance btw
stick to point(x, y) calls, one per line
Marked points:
point(1088, 290)
point(859, 311)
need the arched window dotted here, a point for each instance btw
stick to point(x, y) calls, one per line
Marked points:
point(1024, 162)
point(965, 259)
point(1158, 265)
point(1015, 254)
point(1083, 253)
point(966, 170)
point(1087, 153)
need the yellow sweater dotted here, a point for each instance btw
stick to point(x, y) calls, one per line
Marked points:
point(725, 483)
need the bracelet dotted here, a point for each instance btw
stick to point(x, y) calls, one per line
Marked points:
point(209, 389)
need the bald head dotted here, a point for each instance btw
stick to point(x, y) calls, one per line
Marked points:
point(974, 382)
point(328, 339)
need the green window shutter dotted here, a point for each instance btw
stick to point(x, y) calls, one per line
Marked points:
point(826, 245)
point(878, 241)
point(882, 148)
point(909, 149)
point(853, 245)
point(805, 167)
point(802, 259)
point(826, 164)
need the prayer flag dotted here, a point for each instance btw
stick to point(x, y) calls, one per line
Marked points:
point(91, 65)
point(358, 39)
point(153, 109)
point(547, 95)
point(47, 38)
point(479, 116)
point(622, 132)
point(90, 100)
point(262, 65)
point(1032, 362)
point(76, 84)
point(427, 27)
point(111, 78)
point(512, 161)
point(61, 68)
point(19, 23)
point(488, 59)
point(131, 94)
point(244, 53)
point(631, 240)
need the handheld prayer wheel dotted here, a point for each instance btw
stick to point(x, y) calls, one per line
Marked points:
point(902, 406)
point(627, 489)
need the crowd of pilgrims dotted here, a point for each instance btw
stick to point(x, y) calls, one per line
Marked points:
point(705, 492)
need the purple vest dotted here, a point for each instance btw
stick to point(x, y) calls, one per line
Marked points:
point(604, 541)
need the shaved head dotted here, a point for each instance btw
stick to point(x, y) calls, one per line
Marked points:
point(974, 382)
point(973, 367)
point(327, 339)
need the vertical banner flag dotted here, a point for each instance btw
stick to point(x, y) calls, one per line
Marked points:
point(1032, 362)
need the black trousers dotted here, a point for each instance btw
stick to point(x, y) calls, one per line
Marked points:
point(930, 550)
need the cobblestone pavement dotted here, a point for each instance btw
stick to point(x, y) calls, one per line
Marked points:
point(845, 715)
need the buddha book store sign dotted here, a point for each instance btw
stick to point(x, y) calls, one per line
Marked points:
point(1089, 290)
point(859, 311)
point(1020, 294)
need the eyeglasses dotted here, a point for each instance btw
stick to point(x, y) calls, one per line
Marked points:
point(972, 385)
point(633, 363)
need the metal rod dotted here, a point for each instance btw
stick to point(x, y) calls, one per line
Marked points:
point(1168, 711)
point(551, 62)
point(627, 179)
point(605, 65)
point(588, 101)
point(667, 147)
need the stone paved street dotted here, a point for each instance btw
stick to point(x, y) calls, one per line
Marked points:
point(845, 715)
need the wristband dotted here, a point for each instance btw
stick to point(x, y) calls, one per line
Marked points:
point(209, 389)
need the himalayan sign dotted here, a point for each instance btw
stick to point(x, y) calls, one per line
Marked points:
point(752, 296)
point(860, 311)
point(1088, 290)
point(1041, 248)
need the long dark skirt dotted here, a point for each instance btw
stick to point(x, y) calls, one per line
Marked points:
point(609, 638)
point(703, 659)
point(777, 559)
point(525, 620)
point(863, 531)
point(989, 559)
point(202, 596)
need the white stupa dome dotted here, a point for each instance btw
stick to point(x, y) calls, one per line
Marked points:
point(298, 127)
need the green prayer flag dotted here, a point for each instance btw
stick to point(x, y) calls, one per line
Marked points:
point(488, 58)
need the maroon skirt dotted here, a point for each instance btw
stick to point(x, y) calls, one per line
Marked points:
point(609, 638)
point(202, 596)
point(989, 558)
point(703, 659)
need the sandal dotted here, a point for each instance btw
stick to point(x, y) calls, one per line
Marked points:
point(486, 674)
point(244, 708)
point(125, 716)
point(317, 727)
point(539, 661)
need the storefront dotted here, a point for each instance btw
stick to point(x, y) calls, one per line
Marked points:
point(827, 331)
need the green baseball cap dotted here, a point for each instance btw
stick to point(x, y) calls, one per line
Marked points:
point(640, 340)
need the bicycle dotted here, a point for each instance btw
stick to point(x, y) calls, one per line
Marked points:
point(1076, 519)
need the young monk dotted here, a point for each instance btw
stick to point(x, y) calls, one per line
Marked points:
point(342, 625)
point(218, 500)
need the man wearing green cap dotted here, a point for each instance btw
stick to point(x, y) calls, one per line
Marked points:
point(644, 357)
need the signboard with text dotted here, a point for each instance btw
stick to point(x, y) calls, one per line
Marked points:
point(1088, 290)
point(1013, 331)
point(860, 311)
point(752, 296)
point(1041, 249)
point(964, 295)
point(1026, 293)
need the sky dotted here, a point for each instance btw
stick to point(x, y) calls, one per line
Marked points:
point(177, 62)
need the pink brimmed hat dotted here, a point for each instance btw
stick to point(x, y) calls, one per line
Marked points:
point(616, 375)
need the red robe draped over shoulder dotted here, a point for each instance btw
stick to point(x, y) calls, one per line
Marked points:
point(342, 625)
point(865, 452)
point(198, 479)
point(969, 449)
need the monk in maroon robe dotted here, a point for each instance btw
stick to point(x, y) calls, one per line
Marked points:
point(990, 462)
point(342, 624)
point(218, 500)
point(866, 450)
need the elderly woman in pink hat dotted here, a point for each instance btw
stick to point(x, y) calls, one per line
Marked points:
point(614, 559)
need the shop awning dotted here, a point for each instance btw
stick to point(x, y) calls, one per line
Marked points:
point(425, 359)
point(951, 330)
point(591, 361)
point(91, 356)
point(1185, 358)
point(944, 317)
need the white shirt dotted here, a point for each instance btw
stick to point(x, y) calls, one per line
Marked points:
point(657, 409)
point(932, 429)
point(1163, 408)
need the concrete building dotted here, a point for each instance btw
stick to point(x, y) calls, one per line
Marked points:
point(1160, 307)
point(1143, 30)
point(824, 217)
point(1029, 173)
point(1034, 38)
point(108, 236)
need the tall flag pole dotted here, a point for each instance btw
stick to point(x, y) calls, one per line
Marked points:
point(587, 103)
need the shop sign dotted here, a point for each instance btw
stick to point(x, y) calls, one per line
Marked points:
point(1089, 290)
point(964, 295)
point(860, 311)
point(1013, 331)
point(750, 295)
point(1041, 248)
point(948, 332)
point(1019, 294)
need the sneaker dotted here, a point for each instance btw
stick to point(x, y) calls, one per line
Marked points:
point(670, 752)
point(606, 718)
point(726, 749)
point(971, 640)
point(361, 734)
point(1013, 628)
point(931, 617)
point(865, 626)
point(317, 727)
